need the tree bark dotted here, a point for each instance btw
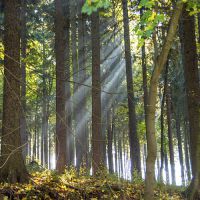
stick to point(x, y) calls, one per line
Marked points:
point(167, 169)
point(115, 139)
point(23, 131)
point(133, 137)
point(12, 167)
point(144, 74)
point(162, 152)
point(193, 97)
point(82, 135)
point(97, 143)
point(186, 152)
point(110, 142)
point(68, 103)
point(170, 136)
point(180, 148)
point(151, 109)
point(44, 143)
point(60, 49)
point(73, 20)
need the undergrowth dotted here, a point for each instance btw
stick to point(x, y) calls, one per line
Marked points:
point(46, 184)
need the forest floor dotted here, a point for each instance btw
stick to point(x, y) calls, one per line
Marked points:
point(45, 184)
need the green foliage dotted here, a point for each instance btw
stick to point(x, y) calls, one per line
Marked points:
point(147, 3)
point(193, 6)
point(137, 178)
point(33, 166)
point(149, 20)
point(91, 6)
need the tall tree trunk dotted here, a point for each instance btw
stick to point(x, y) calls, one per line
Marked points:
point(60, 49)
point(12, 167)
point(162, 152)
point(144, 73)
point(68, 107)
point(23, 131)
point(35, 133)
point(120, 156)
point(133, 138)
point(73, 15)
point(193, 97)
point(186, 152)
point(82, 135)
point(110, 142)
point(167, 169)
point(170, 136)
point(151, 138)
point(180, 148)
point(44, 143)
point(97, 143)
point(37, 130)
point(115, 139)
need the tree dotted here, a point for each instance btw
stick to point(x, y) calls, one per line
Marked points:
point(170, 136)
point(133, 138)
point(97, 143)
point(44, 136)
point(23, 131)
point(82, 135)
point(190, 63)
point(151, 109)
point(60, 49)
point(162, 148)
point(12, 164)
point(110, 141)
point(73, 15)
point(68, 108)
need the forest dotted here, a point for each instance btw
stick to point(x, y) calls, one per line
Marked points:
point(100, 99)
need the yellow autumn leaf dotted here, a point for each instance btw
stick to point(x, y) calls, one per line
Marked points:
point(89, 2)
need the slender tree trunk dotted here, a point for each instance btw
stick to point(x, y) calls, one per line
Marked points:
point(144, 79)
point(97, 143)
point(44, 114)
point(186, 152)
point(144, 72)
point(73, 20)
point(38, 138)
point(23, 132)
point(120, 156)
point(82, 135)
point(60, 49)
point(162, 152)
point(49, 148)
point(12, 167)
point(193, 97)
point(158, 167)
point(124, 155)
point(104, 137)
point(180, 148)
point(170, 136)
point(115, 140)
point(68, 107)
point(145, 156)
point(151, 138)
point(110, 142)
point(167, 169)
point(133, 138)
point(35, 134)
